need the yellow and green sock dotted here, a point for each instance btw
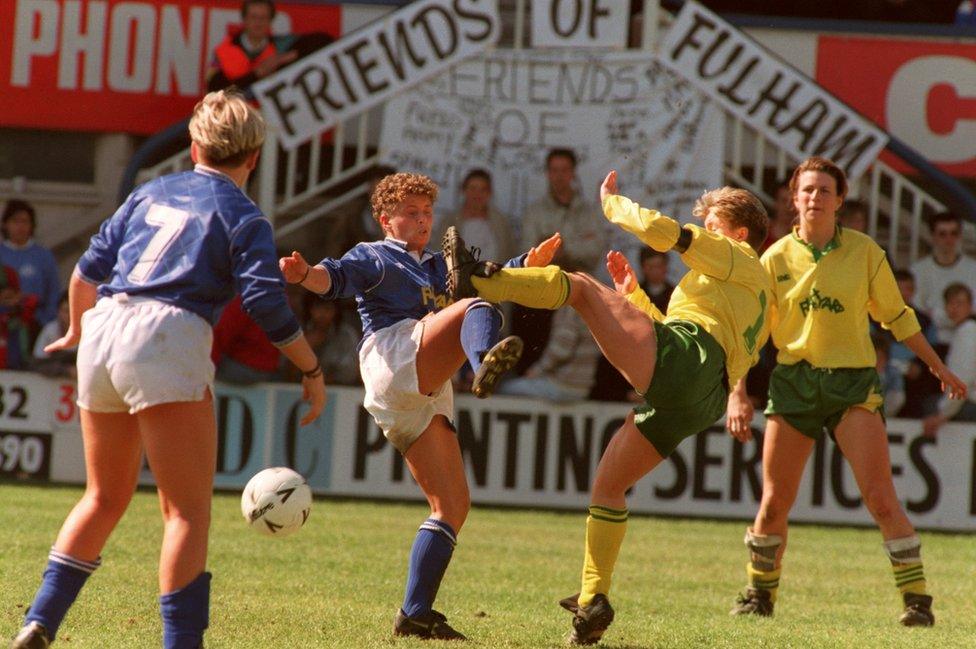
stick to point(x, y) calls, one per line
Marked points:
point(905, 555)
point(538, 288)
point(605, 529)
point(761, 569)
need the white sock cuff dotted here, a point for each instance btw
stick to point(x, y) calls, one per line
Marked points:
point(72, 562)
point(906, 550)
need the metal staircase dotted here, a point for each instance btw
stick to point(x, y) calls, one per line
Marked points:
point(299, 188)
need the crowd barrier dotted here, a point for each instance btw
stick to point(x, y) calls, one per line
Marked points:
point(517, 452)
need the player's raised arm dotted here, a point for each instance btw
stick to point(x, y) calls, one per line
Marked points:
point(650, 226)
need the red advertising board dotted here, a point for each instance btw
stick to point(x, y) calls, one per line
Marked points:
point(120, 65)
point(922, 92)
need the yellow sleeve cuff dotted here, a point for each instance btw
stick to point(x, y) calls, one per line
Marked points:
point(650, 226)
point(639, 298)
point(905, 325)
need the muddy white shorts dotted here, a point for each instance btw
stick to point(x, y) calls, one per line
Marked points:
point(388, 362)
point(137, 352)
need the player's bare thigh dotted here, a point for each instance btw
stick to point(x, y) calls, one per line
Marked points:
point(440, 354)
point(624, 333)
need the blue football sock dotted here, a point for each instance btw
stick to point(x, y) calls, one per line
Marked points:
point(479, 331)
point(186, 614)
point(432, 550)
point(63, 579)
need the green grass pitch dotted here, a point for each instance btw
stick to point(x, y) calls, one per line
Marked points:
point(338, 582)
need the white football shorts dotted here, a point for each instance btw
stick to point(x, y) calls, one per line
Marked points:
point(388, 363)
point(138, 352)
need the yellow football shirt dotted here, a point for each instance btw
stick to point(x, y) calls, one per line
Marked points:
point(726, 292)
point(824, 298)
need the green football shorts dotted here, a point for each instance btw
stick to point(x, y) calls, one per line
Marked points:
point(689, 390)
point(812, 398)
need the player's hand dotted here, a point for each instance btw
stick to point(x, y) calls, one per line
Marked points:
point(738, 416)
point(313, 392)
point(543, 253)
point(950, 382)
point(623, 276)
point(609, 186)
point(68, 341)
point(272, 63)
point(932, 424)
point(294, 268)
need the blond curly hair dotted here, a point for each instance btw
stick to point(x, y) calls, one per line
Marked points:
point(226, 128)
point(394, 188)
point(738, 207)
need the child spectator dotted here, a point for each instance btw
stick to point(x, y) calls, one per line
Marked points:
point(34, 264)
point(333, 340)
point(60, 363)
point(16, 321)
point(892, 381)
point(654, 267)
point(961, 360)
point(946, 265)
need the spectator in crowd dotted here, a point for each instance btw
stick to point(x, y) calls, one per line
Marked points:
point(853, 214)
point(477, 220)
point(961, 360)
point(892, 381)
point(242, 353)
point(333, 340)
point(565, 210)
point(781, 216)
point(60, 363)
point(566, 370)
point(946, 265)
point(34, 264)
point(561, 209)
point(922, 389)
point(251, 52)
point(16, 321)
point(654, 267)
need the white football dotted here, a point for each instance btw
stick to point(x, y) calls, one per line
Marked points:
point(276, 501)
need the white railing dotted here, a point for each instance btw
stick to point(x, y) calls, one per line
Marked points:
point(897, 206)
point(305, 180)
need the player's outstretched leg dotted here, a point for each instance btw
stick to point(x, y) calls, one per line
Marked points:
point(462, 265)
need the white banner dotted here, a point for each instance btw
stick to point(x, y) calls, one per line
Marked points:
point(364, 68)
point(503, 112)
point(531, 453)
point(579, 23)
point(524, 452)
point(786, 106)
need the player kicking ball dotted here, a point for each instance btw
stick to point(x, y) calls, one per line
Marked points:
point(682, 363)
point(414, 340)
